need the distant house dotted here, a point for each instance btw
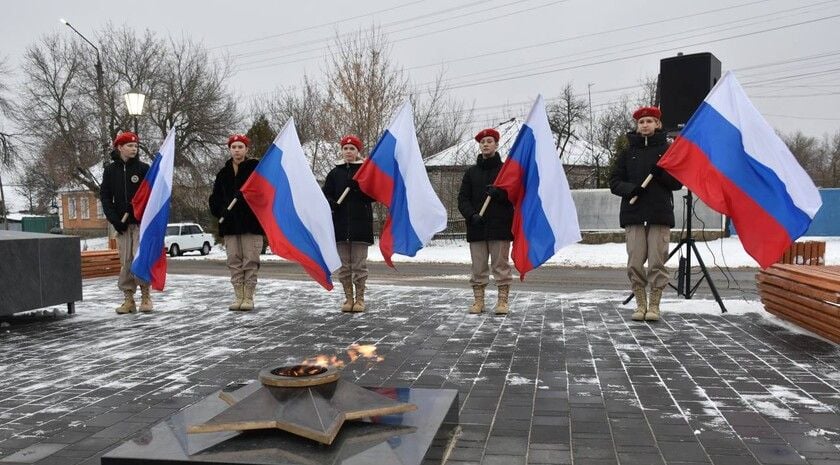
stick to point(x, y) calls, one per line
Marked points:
point(16, 205)
point(79, 209)
point(12, 222)
point(446, 168)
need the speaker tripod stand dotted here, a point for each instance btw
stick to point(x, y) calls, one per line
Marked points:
point(683, 286)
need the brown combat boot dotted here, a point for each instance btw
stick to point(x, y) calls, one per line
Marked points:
point(145, 300)
point(502, 302)
point(239, 292)
point(347, 306)
point(641, 304)
point(128, 305)
point(248, 297)
point(653, 309)
point(478, 303)
point(359, 304)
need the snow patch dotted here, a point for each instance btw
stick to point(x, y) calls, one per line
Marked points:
point(515, 380)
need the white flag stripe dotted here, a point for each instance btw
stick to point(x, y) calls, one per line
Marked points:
point(309, 202)
point(762, 143)
point(162, 189)
point(554, 192)
point(425, 210)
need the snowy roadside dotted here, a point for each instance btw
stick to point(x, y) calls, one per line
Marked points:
point(721, 252)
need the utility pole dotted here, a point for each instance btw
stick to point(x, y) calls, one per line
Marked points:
point(592, 137)
point(5, 211)
point(100, 101)
point(100, 97)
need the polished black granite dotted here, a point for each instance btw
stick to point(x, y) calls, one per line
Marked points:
point(38, 270)
point(415, 438)
point(315, 412)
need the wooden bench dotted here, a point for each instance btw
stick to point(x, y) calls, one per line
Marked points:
point(806, 295)
point(99, 263)
point(805, 253)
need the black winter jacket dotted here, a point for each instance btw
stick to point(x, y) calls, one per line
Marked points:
point(120, 181)
point(498, 219)
point(353, 219)
point(240, 219)
point(656, 203)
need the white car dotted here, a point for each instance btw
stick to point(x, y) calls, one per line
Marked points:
point(184, 237)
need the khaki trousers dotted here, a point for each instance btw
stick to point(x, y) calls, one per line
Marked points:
point(353, 257)
point(498, 252)
point(127, 244)
point(647, 243)
point(243, 257)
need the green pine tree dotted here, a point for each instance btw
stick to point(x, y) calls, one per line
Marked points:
point(261, 135)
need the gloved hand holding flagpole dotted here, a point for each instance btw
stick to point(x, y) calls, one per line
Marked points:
point(645, 183)
point(229, 208)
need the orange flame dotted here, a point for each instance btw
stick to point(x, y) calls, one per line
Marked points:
point(324, 361)
point(354, 352)
point(364, 351)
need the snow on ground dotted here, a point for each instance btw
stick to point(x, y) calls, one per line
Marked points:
point(722, 252)
point(102, 291)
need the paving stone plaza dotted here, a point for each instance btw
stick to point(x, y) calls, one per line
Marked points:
point(562, 379)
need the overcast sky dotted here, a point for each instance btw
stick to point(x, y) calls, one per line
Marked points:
point(497, 54)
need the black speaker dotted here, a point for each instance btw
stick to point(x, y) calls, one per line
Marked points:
point(684, 81)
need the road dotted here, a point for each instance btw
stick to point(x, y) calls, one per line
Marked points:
point(551, 278)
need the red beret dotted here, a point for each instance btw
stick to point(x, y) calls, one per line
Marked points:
point(351, 139)
point(647, 111)
point(239, 138)
point(125, 137)
point(489, 132)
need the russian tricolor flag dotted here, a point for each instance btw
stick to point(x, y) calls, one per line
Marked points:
point(291, 208)
point(544, 218)
point(395, 176)
point(151, 205)
point(733, 160)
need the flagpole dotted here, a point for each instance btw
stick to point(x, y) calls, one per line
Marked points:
point(343, 194)
point(229, 208)
point(484, 207)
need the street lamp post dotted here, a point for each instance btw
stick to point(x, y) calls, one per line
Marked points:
point(134, 101)
point(100, 96)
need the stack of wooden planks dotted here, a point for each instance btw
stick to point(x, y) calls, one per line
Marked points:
point(98, 263)
point(806, 295)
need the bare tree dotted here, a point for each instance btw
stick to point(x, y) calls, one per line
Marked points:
point(362, 88)
point(7, 146)
point(811, 154)
point(608, 135)
point(56, 109)
point(564, 115)
point(647, 93)
point(364, 85)
point(183, 86)
point(316, 126)
point(833, 160)
point(440, 120)
point(28, 187)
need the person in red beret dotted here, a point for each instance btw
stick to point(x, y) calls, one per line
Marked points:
point(120, 181)
point(648, 221)
point(489, 235)
point(352, 223)
point(240, 229)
